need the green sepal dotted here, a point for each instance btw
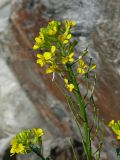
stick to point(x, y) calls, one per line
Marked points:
point(118, 151)
point(72, 45)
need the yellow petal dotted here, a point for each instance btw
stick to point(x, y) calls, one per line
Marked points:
point(53, 49)
point(65, 41)
point(39, 55)
point(70, 87)
point(82, 64)
point(93, 67)
point(71, 54)
point(73, 23)
point(41, 62)
point(71, 57)
point(52, 31)
point(66, 80)
point(41, 36)
point(38, 40)
point(49, 70)
point(118, 132)
point(118, 137)
point(64, 60)
point(35, 47)
point(71, 60)
point(51, 22)
point(38, 132)
point(69, 36)
point(13, 141)
point(111, 123)
point(47, 55)
point(80, 70)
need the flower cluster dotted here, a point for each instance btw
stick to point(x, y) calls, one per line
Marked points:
point(22, 142)
point(115, 126)
point(56, 50)
point(50, 40)
point(69, 86)
point(83, 67)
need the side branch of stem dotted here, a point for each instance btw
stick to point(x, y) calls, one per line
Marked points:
point(82, 107)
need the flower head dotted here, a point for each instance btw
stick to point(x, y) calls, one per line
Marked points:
point(111, 123)
point(51, 69)
point(53, 49)
point(65, 38)
point(69, 24)
point(83, 67)
point(17, 148)
point(46, 57)
point(39, 41)
point(37, 132)
point(53, 27)
point(115, 126)
point(68, 58)
point(69, 86)
point(41, 59)
point(19, 142)
point(22, 142)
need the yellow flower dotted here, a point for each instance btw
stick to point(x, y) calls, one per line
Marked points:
point(115, 126)
point(70, 86)
point(22, 142)
point(39, 41)
point(47, 55)
point(92, 67)
point(65, 38)
point(53, 49)
point(35, 47)
point(69, 24)
point(68, 58)
point(111, 123)
point(17, 148)
point(52, 68)
point(52, 22)
point(38, 132)
point(82, 67)
point(41, 60)
point(53, 27)
point(117, 132)
point(73, 23)
point(118, 137)
point(52, 31)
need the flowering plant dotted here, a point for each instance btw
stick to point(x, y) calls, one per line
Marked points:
point(115, 126)
point(56, 55)
point(27, 141)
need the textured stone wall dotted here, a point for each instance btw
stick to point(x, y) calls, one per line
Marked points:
point(97, 27)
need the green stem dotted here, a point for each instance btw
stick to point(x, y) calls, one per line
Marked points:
point(82, 107)
point(37, 151)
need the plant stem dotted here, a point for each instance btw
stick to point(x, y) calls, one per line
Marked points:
point(82, 107)
point(37, 151)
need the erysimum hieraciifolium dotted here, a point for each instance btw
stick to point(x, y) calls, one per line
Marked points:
point(23, 141)
point(56, 48)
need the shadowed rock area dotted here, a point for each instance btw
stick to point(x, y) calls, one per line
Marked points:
point(32, 99)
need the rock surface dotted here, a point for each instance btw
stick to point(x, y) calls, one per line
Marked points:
point(28, 98)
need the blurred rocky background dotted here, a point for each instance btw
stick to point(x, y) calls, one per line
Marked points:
point(29, 99)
